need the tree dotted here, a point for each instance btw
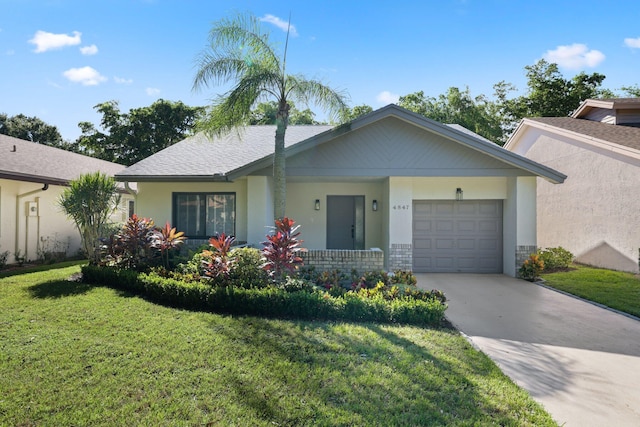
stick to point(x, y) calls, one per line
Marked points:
point(357, 111)
point(142, 132)
point(550, 94)
point(31, 129)
point(632, 91)
point(476, 114)
point(240, 53)
point(265, 114)
point(89, 201)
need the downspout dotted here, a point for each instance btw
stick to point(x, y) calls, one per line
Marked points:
point(18, 197)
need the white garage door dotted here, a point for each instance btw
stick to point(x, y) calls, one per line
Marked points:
point(457, 236)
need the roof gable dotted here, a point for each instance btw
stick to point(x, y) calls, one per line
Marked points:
point(624, 139)
point(231, 158)
point(28, 161)
point(391, 147)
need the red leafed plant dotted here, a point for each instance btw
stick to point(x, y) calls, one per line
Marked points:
point(216, 262)
point(168, 238)
point(281, 249)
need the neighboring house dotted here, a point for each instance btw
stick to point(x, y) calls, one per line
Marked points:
point(594, 214)
point(32, 177)
point(391, 180)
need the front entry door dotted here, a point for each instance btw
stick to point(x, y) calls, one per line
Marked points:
point(345, 222)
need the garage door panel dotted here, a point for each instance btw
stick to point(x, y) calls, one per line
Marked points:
point(422, 243)
point(466, 244)
point(463, 236)
point(490, 226)
point(445, 244)
point(466, 226)
point(466, 209)
point(422, 226)
point(446, 262)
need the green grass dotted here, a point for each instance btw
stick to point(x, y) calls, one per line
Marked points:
point(74, 354)
point(615, 289)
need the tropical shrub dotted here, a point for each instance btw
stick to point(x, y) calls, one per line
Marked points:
point(531, 268)
point(404, 277)
point(282, 301)
point(4, 256)
point(555, 258)
point(217, 262)
point(89, 201)
point(247, 271)
point(281, 249)
point(140, 245)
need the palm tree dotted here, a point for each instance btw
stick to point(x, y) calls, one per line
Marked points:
point(241, 54)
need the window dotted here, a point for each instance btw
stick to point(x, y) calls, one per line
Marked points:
point(203, 215)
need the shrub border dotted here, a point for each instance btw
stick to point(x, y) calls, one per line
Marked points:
point(268, 302)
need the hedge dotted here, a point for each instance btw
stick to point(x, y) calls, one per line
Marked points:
point(270, 301)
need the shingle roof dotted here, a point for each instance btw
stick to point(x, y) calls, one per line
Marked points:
point(627, 136)
point(27, 161)
point(202, 158)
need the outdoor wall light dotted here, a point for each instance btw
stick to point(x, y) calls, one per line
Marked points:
point(374, 205)
point(317, 205)
point(459, 194)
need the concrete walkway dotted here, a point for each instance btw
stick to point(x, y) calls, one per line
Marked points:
point(580, 361)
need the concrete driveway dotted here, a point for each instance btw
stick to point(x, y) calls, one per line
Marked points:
point(580, 361)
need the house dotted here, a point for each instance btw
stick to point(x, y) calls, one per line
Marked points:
point(430, 197)
point(594, 214)
point(32, 178)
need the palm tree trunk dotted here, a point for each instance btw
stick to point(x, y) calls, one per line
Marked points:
point(279, 168)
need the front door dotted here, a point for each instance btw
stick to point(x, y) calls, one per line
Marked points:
point(345, 222)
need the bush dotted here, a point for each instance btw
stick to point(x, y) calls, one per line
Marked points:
point(555, 258)
point(404, 277)
point(4, 256)
point(247, 270)
point(294, 298)
point(531, 268)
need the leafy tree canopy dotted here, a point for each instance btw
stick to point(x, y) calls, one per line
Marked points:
point(31, 129)
point(357, 111)
point(474, 113)
point(131, 137)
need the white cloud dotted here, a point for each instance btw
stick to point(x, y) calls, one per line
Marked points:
point(122, 81)
point(632, 43)
point(283, 25)
point(575, 56)
point(89, 50)
point(152, 91)
point(86, 76)
point(45, 41)
point(387, 97)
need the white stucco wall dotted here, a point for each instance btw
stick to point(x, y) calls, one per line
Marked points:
point(155, 200)
point(47, 228)
point(594, 213)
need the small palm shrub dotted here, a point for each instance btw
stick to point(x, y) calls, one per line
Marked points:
point(555, 258)
point(531, 268)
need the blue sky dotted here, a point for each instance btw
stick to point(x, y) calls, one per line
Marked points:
point(59, 58)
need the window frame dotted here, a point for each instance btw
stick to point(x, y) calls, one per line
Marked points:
point(205, 194)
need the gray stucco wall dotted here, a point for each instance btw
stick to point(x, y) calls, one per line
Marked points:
point(594, 214)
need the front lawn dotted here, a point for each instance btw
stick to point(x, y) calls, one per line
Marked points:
point(75, 354)
point(614, 289)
